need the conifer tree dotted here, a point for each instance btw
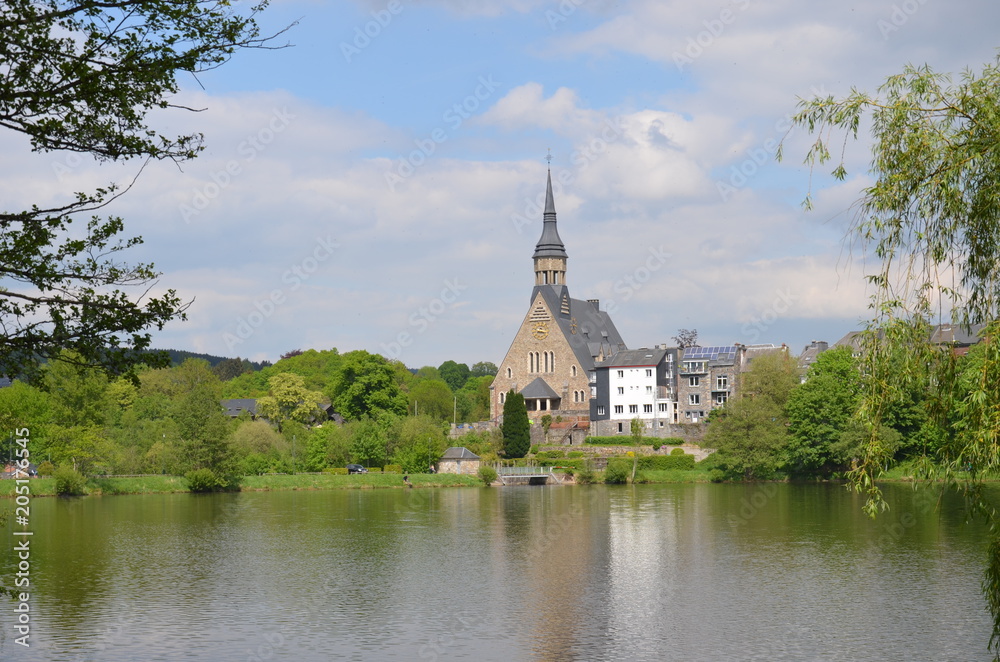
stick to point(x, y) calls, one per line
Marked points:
point(516, 429)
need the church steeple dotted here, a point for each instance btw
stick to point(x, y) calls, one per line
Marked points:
point(550, 254)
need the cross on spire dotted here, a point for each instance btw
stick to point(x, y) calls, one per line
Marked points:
point(548, 157)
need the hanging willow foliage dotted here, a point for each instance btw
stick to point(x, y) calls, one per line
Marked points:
point(932, 220)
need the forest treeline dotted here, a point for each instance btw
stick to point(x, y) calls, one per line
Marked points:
point(170, 420)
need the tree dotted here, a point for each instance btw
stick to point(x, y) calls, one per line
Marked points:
point(483, 369)
point(474, 399)
point(432, 397)
point(454, 374)
point(365, 384)
point(231, 368)
point(421, 442)
point(820, 413)
point(515, 428)
point(686, 338)
point(932, 219)
point(636, 427)
point(368, 447)
point(750, 432)
point(289, 400)
point(82, 76)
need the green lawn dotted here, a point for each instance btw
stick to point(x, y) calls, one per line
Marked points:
point(167, 484)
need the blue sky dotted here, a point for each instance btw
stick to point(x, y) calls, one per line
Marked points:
point(381, 198)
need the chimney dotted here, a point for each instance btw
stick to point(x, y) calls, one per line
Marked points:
point(596, 303)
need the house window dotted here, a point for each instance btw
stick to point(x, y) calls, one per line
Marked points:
point(621, 390)
point(694, 381)
point(621, 374)
point(633, 409)
point(600, 410)
point(620, 427)
point(572, 371)
point(647, 409)
point(649, 390)
point(722, 382)
point(663, 407)
point(649, 372)
point(720, 398)
point(503, 396)
point(509, 373)
point(619, 409)
point(694, 399)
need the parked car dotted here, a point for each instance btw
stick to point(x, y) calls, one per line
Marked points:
point(356, 469)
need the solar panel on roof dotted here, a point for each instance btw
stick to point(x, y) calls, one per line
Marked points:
point(709, 352)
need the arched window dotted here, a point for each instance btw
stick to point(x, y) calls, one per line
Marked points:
point(503, 396)
point(572, 371)
point(509, 375)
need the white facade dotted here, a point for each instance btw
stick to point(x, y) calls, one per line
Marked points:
point(634, 393)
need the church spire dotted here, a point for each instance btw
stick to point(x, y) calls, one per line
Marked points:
point(550, 254)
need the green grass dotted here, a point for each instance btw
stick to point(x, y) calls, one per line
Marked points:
point(168, 484)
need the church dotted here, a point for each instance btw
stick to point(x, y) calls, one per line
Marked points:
point(551, 359)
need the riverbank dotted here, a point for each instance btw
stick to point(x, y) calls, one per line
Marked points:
point(97, 486)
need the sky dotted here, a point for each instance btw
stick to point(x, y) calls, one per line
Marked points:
point(377, 184)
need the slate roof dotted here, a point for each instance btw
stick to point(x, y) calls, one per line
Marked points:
point(635, 357)
point(549, 244)
point(459, 453)
point(237, 406)
point(594, 334)
point(538, 389)
point(955, 334)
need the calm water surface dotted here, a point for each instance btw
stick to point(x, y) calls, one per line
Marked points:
point(659, 572)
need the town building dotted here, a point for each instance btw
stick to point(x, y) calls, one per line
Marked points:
point(707, 377)
point(635, 383)
point(552, 357)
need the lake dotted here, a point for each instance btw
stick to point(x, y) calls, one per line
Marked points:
point(646, 572)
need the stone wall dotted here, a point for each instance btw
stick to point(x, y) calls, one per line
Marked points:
point(690, 432)
point(464, 467)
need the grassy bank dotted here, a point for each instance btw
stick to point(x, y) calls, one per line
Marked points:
point(170, 484)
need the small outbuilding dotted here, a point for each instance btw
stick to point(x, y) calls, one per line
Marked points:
point(459, 460)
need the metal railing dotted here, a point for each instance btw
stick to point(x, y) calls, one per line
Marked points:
point(522, 471)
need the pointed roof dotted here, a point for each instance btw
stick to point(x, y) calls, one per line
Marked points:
point(538, 389)
point(549, 244)
point(459, 453)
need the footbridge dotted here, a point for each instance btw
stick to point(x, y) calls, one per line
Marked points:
point(527, 475)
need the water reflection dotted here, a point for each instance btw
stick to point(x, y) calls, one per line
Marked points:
point(681, 572)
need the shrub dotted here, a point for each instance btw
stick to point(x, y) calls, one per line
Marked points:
point(657, 445)
point(336, 471)
point(716, 475)
point(618, 471)
point(255, 464)
point(392, 469)
point(533, 450)
point(673, 441)
point(678, 451)
point(46, 468)
point(575, 454)
point(585, 476)
point(69, 481)
point(206, 480)
point(487, 474)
